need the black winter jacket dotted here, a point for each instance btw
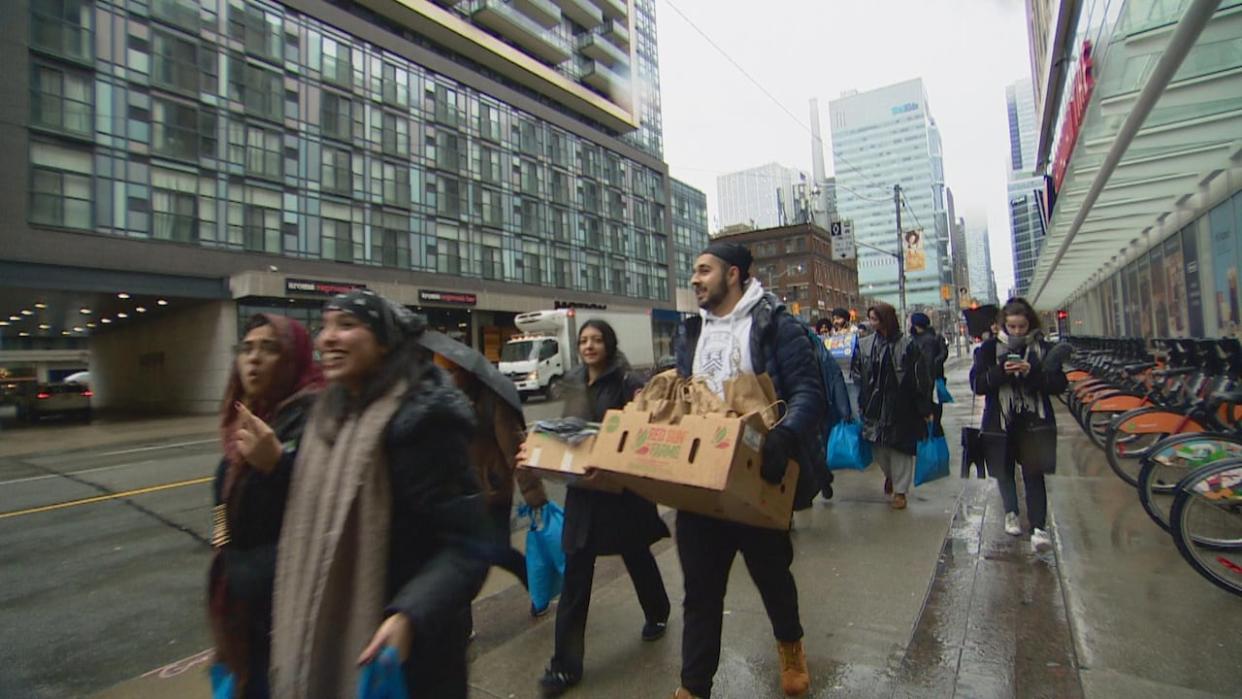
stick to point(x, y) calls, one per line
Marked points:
point(935, 351)
point(440, 533)
point(790, 360)
point(894, 398)
point(987, 374)
point(606, 523)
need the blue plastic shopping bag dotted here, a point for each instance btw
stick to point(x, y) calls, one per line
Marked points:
point(545, 559)
point(846, 447)
point(942, 392)
point(383, 678)
point(932, 460)
point(223, 684)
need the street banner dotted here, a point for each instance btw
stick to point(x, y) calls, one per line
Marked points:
point(912, 244)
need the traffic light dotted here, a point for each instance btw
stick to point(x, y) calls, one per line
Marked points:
point(1062, 314)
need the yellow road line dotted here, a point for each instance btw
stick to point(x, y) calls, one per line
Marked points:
point(102, 498)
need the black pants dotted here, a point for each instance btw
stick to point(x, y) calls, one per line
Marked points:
point(1036, 493)
point(507, 557)
point(707, 547)
point(571, 613)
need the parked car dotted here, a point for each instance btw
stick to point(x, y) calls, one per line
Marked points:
point(68, 399)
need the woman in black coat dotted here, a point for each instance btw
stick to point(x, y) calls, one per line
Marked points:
point(1016, 373)
point(599, 523)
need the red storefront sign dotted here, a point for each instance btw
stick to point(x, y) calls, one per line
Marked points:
point(1075, 112)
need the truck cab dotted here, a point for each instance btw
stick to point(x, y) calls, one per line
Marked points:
point(535, 364)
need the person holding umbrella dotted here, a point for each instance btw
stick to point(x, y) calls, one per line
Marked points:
point(498, 435)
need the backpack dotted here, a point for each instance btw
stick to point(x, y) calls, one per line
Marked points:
point(834, 383)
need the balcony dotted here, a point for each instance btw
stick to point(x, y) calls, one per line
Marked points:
point(521, 30)
point(614, 9)
point(595, 46)
point(543, 12)
point(616, 32)
point(582, 12)
point(606, 80)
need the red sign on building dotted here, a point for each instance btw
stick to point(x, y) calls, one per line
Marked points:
point(1075, 112)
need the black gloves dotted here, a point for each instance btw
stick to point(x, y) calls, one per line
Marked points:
point(777, 449)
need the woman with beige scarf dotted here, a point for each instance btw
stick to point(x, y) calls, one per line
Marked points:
point(385, 533)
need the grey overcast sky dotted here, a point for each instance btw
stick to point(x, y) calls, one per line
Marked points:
point(716, 121)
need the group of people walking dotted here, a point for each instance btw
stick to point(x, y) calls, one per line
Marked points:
point(362, 498)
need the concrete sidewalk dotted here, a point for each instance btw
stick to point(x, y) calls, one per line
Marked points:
point(17, 439)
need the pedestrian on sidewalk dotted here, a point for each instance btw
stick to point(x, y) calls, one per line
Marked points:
point(743, 329)
point(895, 399)
point(1016, 372)
point(935, 352)
point(842, 342)
point(385, 536)
point(493, 451)
point(272, 384)
point(602, 524)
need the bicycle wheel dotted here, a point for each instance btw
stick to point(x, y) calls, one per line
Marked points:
point(1207, 523)
point(1171, 460)
point(1133, 434)
point(1096, 424)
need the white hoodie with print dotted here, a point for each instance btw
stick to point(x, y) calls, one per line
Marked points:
point(723, 350)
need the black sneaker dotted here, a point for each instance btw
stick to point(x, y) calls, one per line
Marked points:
point(654, 630)
point(555, 683)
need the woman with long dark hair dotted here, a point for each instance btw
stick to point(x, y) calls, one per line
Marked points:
point(272, 383)
point(385, 537)
point(894, 399)
point(599, 523)
point(1016, 372)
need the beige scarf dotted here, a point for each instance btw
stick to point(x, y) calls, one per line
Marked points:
point(332, 560)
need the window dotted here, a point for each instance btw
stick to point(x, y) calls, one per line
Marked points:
point(560, 188)
point(530, 217)
point(258, 89)
point(448, 197)
point(561, 224)
point(592, 230)
point(337, 62)
point(60, 100)
point(396, 85)
point(616, 205)
point(445, 107)
point(489, 165)
point(588, 194)
point(395, 139)
point(175, 63)
point(336, 236)
point(391, 183)
point(561, 148)
point(336, 173)
point(175, 129)
point(489, 206)
point(489, 122)
point(530, 267)
point(261, 231)
point(335, 116)
point(448, 153)
point(529, 178)
point(529, 136)
point(174, 206)
point(63, 27)
point(493, 258)
point(394, 248)
point(256, 148)
point(60, 186)
point(178, 13)
point(258, 29)
point(548, 349)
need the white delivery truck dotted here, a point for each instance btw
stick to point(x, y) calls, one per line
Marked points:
point(546, 348)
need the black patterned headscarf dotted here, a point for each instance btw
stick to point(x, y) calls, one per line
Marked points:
point(391, 322)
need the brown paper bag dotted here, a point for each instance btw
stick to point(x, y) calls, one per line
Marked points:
point(701, 399)
point(664, 397)
point(749, 393)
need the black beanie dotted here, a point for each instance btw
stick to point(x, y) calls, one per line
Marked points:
point(391, 322)
point(733, 254)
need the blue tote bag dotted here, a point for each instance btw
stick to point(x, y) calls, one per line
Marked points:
point(382, 678)
point(847, 450)
point(545, 559)
point(932, 460)
point(942, 392)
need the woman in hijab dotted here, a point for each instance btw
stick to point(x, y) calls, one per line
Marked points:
point(271, 386)
point(385, 535)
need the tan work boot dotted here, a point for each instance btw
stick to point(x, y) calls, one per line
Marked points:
point(683, 693)
point(795, 678)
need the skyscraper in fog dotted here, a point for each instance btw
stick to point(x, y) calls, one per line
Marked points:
point(761, 197)
point(1025, 221)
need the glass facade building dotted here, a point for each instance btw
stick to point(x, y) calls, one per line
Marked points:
point(252, 127)
point(1025, 188)
point(690, 236)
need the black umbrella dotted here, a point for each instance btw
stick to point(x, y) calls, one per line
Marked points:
point(472, 361)
point(979, 320)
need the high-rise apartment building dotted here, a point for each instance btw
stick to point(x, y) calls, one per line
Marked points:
point(958, 254)
point(882, 138)
point(979, 261)
point(470, 159)
point(1024, 186)
point(690, 233)
point(759, 197)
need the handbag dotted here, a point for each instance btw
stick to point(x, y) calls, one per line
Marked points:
point(223, 683)
point(545, 559)
point(1035, 442)
point(383, 678)
point(972, 447)
point(942, 392)
point(846, 448)
point(932, 458)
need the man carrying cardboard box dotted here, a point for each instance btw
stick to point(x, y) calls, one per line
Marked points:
point(742, 328)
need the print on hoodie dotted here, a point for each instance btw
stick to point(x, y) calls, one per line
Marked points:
point(723, 350)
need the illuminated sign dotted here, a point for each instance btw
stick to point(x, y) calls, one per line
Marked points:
point(313, 287)
point(1075, 112)
point(454, 297)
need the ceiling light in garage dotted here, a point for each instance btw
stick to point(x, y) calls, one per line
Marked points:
point(105, 321)
point(84, 311)
point(90, 325)
point(122, 315)
point(64, 332)
point(77, 328)
point(24, 334)
point(15, 317)
point(162, 302)
point(40, 306)
point(44, 326)
point(27, 312)
point(141, 309)
point(3, 323)
point(122, 295)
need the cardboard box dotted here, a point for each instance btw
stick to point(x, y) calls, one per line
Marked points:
point(558, 460)
point(707, 464)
